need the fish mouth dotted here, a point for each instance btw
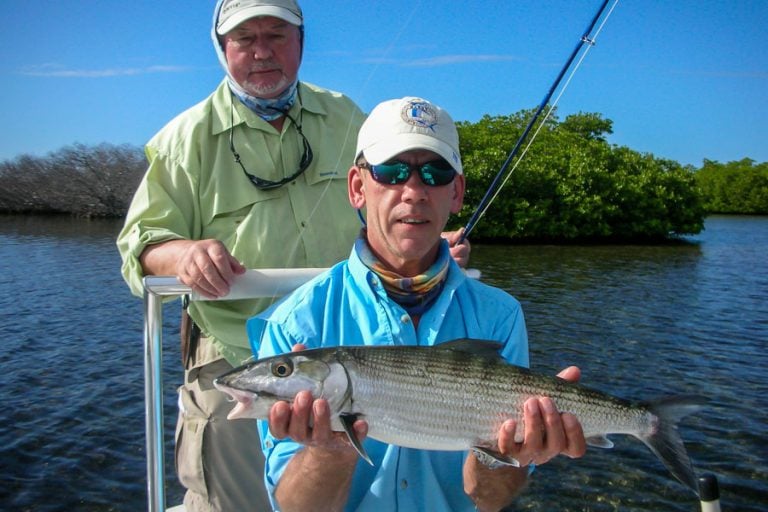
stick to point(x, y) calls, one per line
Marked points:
point(249, 404)
point(239, 395)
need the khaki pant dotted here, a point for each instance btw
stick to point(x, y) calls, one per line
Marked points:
point(219, 461)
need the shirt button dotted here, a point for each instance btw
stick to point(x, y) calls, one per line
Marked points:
point(404, 484)
point(405, 318)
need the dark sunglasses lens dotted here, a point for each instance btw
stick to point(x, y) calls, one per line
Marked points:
point(391, 173)
point(437, 174)
point(434, 174)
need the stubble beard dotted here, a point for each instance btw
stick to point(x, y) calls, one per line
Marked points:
point(266, 90)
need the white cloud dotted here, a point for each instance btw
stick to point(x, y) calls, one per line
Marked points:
point(57, 71)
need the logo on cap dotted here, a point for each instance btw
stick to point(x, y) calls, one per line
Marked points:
point(231, 7)
point(419, 113)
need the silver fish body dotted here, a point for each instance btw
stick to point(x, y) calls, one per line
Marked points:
point(453, 396)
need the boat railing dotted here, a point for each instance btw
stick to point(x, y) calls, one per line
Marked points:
point(253, 284)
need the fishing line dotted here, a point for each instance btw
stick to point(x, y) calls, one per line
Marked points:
point(497, 184)
point(349, 133)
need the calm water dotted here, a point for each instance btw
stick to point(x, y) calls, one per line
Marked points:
point(641, 322)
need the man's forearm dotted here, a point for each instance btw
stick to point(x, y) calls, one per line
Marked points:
point(160, 259)
point(492, 489)
point(316, 479)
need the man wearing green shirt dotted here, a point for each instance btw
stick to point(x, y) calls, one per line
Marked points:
point(254, 176)
point(215, 200)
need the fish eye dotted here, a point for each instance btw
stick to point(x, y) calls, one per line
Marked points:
point(282, 368)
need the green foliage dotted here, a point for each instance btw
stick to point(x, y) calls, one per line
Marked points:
point(572, 185)
point(736, 187)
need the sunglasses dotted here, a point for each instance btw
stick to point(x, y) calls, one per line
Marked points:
point(434, 174)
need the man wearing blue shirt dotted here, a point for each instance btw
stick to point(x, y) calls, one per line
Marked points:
point(399, 287)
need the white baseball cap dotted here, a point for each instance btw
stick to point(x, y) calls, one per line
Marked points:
point(234, 12)
point(409, 123)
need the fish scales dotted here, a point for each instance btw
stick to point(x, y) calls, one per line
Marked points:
point(418, 398)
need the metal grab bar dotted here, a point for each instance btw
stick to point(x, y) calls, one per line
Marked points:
point(261, 283)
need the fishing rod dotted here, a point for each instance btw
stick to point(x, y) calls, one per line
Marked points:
point(586, 39)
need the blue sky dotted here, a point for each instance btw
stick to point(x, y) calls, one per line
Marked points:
point(682, 79)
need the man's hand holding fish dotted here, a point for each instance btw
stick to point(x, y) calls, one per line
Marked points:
point(546, 434)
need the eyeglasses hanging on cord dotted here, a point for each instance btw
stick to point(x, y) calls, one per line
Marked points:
point(261, 183)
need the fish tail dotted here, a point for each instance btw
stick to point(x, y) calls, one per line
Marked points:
point(664, 440)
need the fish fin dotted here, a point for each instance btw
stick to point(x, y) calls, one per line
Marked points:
point(484, 348)
point(494, 459)
point(664, 440)
point(347, 420)
point(600, 442)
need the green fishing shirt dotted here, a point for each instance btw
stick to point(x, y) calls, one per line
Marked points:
point(194, 189)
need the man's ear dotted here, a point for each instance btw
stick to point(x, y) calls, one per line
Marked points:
point(301, 43)
point(459, 186)
point(356, 187)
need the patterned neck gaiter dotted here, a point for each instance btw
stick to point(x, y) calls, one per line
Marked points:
point(415, 294)
point(267, 109)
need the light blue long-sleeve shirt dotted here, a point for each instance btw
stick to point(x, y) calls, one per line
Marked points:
point(347, 305)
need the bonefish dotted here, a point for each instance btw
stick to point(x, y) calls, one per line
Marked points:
point(452, 396)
